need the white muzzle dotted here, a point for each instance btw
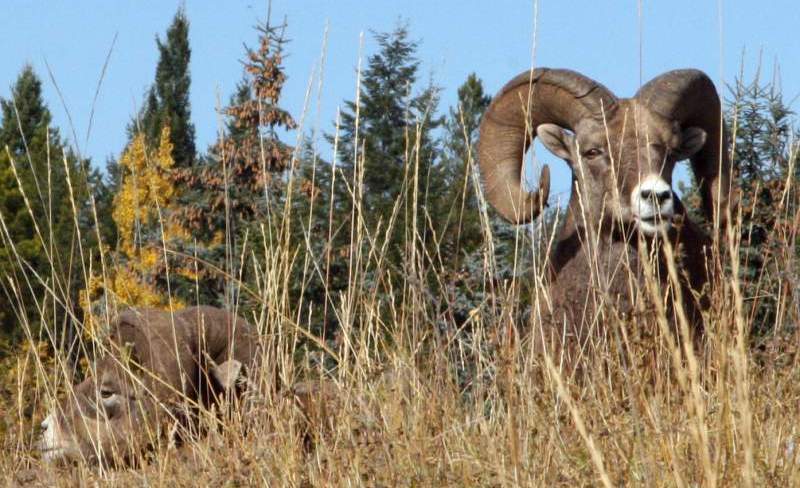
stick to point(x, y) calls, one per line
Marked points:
point(51, 444)
point(653, 205)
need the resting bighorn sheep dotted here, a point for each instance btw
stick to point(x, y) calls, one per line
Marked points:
point(153, 360)
point(622, 153)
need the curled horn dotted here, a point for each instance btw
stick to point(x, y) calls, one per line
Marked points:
point(556, 96)
point(689, 97)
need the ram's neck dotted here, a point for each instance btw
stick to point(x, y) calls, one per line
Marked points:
point(606, 249)
point(576, 242)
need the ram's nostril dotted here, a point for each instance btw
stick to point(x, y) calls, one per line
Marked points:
point(658, 196)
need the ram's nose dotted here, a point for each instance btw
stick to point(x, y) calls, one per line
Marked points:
point(659, 195)
point(653, 204)
point(652, 196)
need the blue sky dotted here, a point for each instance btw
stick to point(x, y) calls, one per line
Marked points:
point(494, 38)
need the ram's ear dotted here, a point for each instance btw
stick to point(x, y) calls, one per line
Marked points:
point(228, 374)
point(557, 140)
point(692, 140)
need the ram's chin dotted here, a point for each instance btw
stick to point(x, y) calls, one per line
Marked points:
point(54, 454)
point(59, 454)
point(653, 226)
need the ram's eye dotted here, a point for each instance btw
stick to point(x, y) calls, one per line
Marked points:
point(105, 394)
point(592, 153)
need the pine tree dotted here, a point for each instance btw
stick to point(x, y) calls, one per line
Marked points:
point(239, 185)
point(146, 179)
point(388, 181)
point(461, 127)
point(395, 136)
point(105, 185)
point(247, 162)
point(167, 101)
point(19, 180)
point(460, 217)
point(763, 131)
point(41, 243)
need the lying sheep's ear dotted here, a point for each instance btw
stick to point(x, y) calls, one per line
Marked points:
point(228, 373)
point(557, 140)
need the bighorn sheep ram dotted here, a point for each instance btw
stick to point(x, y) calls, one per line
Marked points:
point(622, 153)
point(154, 359)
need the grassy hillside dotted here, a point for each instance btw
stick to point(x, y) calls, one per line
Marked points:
point(416, 385)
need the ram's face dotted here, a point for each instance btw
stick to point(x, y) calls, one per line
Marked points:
point(107, 417)
point(623, 167)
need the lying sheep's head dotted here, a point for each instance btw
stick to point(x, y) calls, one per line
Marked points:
point(621, 151)
point(98, 416)
point(152, 375)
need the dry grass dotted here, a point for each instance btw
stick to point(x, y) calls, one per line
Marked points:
point(399, 411)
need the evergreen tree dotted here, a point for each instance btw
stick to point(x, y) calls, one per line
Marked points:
point(395, 131)
point(388, 183)
point(317, 275)
point(239, 185)
point(104, 187)
point(167, 101)
point(147, 180)
point(761, 127)
point(460, 216)
point(21, 179)
point(761, 124)
point(461, 127)
point(245, 165)
point(41, 243)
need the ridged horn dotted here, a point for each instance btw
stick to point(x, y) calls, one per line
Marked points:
point(535, 97)
point(689, 97)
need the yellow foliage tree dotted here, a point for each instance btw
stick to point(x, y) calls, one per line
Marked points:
point(146, 190)
point(142, 210)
